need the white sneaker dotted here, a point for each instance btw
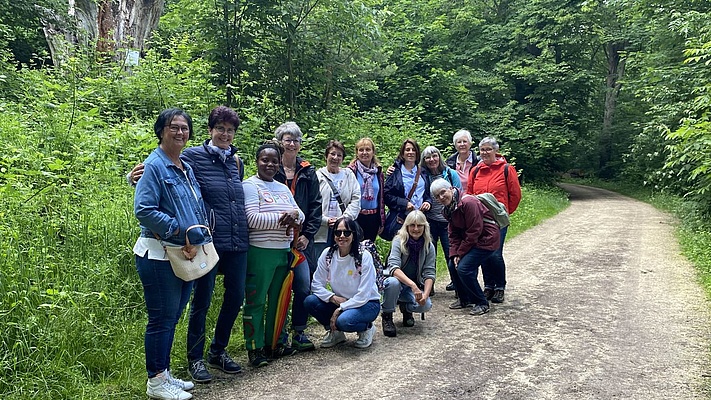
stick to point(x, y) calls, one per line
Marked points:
point(332, 338)
point(185, 385)
point(365, 338)
point(160, 388)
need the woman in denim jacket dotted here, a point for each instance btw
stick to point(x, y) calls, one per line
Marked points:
point(167, 202)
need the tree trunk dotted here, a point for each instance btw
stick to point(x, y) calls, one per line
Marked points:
point(110, 25)
point(615, 73)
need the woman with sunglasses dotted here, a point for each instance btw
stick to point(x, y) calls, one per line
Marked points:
point(352, 301)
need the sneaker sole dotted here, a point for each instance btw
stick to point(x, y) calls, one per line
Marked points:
point(204, 380)
point(328, 346)
point(480, 312)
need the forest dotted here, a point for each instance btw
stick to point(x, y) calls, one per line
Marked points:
point(615, 90)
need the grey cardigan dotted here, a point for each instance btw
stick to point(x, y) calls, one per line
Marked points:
point(427, 265)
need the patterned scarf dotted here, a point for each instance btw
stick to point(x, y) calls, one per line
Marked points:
point(414, 247)
point(223, 153)
point(367, 174)
point(448, 210)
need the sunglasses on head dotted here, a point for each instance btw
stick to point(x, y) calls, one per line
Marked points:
point(342, 232)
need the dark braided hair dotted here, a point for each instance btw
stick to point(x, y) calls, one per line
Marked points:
point(270, 144)
point(357, 234)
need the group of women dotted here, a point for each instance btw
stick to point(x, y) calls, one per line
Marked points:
point(261, 225)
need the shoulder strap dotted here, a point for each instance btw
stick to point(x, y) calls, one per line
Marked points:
point(335, 192)
point(414, 184)
point(240, 166)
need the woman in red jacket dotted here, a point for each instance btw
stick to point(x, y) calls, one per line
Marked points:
point(494, 175)
point(471, 241)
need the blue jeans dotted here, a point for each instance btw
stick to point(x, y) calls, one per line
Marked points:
point(301, 286)
point(466, 278)
point(166, 296)
point(352, 320)
point(439, 232)
point(395, 291)
point(233, 264)
point(494, 267)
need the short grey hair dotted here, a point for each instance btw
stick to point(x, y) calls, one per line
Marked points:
point(437, 185)
point(490, 141)
point(288, 128)
point(462, 133)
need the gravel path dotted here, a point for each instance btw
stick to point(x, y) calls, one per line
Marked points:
point(599, 305)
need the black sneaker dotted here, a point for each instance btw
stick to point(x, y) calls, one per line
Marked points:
point(199, 372)
point(450, 287)
point(479, 309)
point(223, 362)
point(280, 351)
point(488, 293)
point(498, 296)
point(257, 358)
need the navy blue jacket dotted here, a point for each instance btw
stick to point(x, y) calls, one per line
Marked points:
point(221, 186)
point(307, 195)
point(395, 196)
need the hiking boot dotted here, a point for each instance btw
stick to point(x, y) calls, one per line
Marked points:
point(365, 338)
point(388, 324)
point(488, 293)
point(223, 362)
point(185, 385)
point(199, 372)
point(301, 342)
point(479, 309)
point(450, 287)
point(457, 305)
point(257, 358)
point(332, 338)
point(159, 387)
point(407, 318)
point(498, 296)
point(280, 351)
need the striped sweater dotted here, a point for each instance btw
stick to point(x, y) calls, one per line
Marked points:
point(265, 202)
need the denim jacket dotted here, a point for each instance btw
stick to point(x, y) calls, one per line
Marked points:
point(165, 202)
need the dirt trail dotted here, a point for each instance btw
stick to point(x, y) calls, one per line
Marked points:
point(599, 305)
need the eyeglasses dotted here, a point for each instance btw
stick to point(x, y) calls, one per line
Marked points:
point(221, 130)
point(176, 128)
point(342, 232)
point(486, 150)
point(291, 141)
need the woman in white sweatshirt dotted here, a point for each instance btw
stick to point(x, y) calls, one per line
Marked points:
point(352, 302)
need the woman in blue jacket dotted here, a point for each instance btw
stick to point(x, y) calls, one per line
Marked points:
point(400, 197)
point(219, 171)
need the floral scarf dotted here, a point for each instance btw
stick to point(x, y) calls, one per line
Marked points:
point(367, 174)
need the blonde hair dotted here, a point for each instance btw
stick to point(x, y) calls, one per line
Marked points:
point(363, 142)
point(415, 217)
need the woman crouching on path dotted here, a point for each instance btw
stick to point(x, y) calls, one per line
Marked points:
point(471, 239)
point(412, 270)
point(352, 303)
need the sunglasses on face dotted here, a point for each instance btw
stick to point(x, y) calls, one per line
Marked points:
point(342, 232)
